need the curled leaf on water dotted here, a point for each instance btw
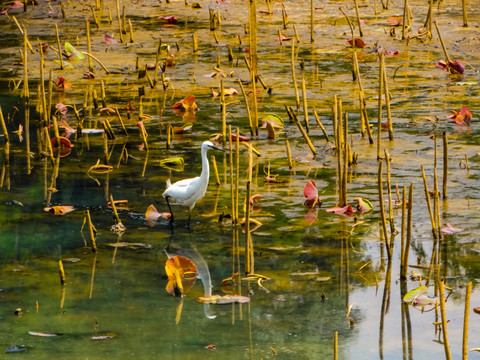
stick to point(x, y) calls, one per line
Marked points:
point(107, 111)
point(182, 129)
point(274, 120)
point(283, 38)
point(254, 198)
point(346, 210)
point(226, 92)
point(59, 209)
point(476, 310)
point(41, 334)
point(109, 40)
point(100, 168)
point(211, 347)
point(449, 229)
point(419, 296)
point(453, 67)
point(61, 108)
point(359, 43)
point(175, 163)
point(64, 142)
point(186, 104)
point(310, 191)
point(395, 20)
point(152, 215)
point(62, 84)
point(182, 275)
point(222, 300)
point(104, 337)
point(71, 53)
point(270, 131)
point(464, 117)
point(169, 19)
point(363, 205)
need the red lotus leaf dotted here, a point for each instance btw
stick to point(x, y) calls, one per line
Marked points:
point(346, 210)
point(311, 193)
point(169, 19)
point(359, 43)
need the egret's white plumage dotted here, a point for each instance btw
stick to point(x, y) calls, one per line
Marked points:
point(188, 191)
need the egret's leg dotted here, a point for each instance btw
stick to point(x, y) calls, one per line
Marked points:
point(188, 222)
point(170, 209)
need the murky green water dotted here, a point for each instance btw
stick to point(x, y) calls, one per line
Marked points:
point(316, 272)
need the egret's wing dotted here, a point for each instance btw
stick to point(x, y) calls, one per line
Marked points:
point(183, 191)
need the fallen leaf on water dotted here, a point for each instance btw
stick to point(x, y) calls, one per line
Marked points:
point(71, 53)
point(188, 103)
point(274, 120)
point(210, 347)
point(359, 43)
point(453, 67)
point(109, 40)
point(476, 310)
point(395, 20)
point(449, 229)
point(463, 117)
point(311, 193)
point(182, 129)
point(107, 111)
point(182, 275)
point(35, 333)
point(152, 215)
point(175, 163)
point(222, 300)
point(169, 19)
point(363, 205)
point(347, 210)
point(283, 37)
point(104, 337)
point(59, 209)
point(419, 296)
point(254, 198)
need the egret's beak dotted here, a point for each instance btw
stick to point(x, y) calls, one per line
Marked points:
point(216, 148)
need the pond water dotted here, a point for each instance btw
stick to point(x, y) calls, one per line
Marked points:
point(327, 272)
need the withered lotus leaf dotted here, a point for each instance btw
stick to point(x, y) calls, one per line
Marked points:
point(182, 275)
point(359, 43)
point(187, 104)
point(59, 209)
point(152, 215)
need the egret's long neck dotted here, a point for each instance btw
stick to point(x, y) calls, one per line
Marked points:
point(205, 166)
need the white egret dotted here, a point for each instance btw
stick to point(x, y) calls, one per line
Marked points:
point(188, 191)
